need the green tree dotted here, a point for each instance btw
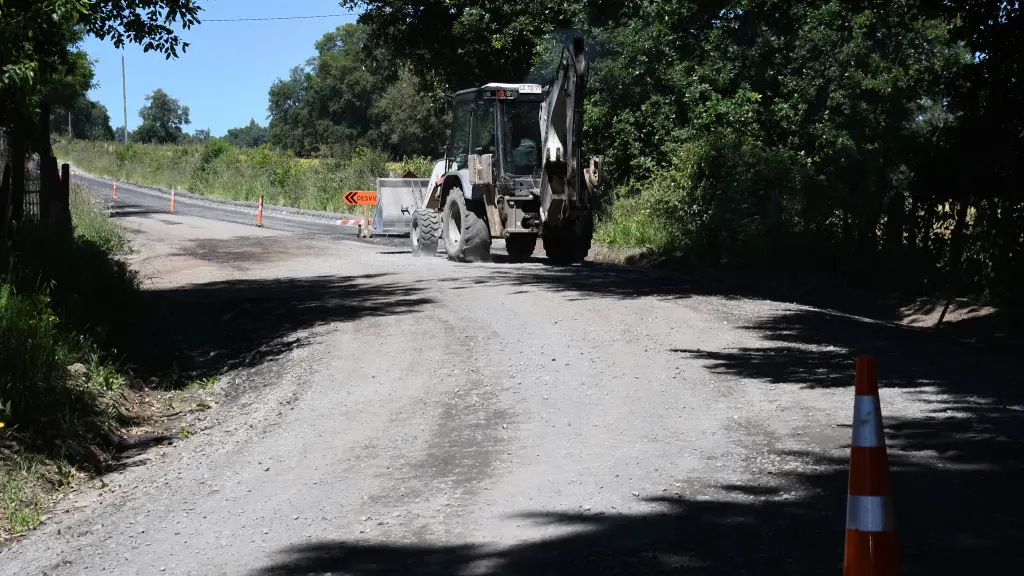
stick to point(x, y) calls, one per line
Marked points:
point(163, 119)
point(89, 120)
point(407, 121)
point(327, 103)
point(251, 136)
point(38, 40)
point(469, 42)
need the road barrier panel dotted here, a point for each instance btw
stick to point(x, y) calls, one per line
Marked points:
point(259, 212)
point(872, 548)
point(397, 199)
point(172, 199)
point(115, 190)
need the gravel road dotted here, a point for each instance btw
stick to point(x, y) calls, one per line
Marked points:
point(388, 415)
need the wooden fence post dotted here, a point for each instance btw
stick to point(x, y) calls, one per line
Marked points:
point(60, 205)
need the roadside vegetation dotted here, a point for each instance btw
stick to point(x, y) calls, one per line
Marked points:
point(218, 169)
point(68, 300)
point(58, 388)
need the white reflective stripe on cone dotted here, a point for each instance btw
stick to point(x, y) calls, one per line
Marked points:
point(867, 422)
point(869, 513)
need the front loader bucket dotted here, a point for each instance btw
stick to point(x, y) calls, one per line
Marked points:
point(397, 199)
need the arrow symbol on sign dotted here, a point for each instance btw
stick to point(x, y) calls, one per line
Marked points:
point(350, 197)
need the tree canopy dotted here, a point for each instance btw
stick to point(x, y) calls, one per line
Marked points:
point(89, 120)
point(163, 120)
point(251, 136)
point(347, 97)
point(39, 59)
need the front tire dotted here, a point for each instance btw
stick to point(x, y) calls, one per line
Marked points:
point(426, 232)
point(466, 235)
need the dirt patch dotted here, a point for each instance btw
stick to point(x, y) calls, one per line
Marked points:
point(244, 250)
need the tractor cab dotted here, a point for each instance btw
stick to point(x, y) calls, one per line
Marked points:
point(502, 120)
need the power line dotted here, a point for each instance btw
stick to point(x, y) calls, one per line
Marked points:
point(281, 18)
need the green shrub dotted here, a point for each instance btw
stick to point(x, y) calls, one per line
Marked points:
point(35, 353)
point(722, 202)
point(126, 155)
point(94, 225)
point(633, 222)
point(62, 300)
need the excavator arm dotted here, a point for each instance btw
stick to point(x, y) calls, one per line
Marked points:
point(568, 184)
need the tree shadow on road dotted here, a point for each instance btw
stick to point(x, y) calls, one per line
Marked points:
point(207, 329)
point(815, 349)
point(955, 515)
point(1001, 329)
point(592, 280)
point(957, 468)
point(809, 347)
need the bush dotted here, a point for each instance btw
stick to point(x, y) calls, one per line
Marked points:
point(61, 299)
point(93, 225)
point(35, 353)
point(634, 222)
point(721, 203)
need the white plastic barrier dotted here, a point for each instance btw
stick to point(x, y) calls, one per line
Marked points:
point(397, 199)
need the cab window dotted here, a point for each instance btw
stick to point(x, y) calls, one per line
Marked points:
point(458, 150)
point(483, 127)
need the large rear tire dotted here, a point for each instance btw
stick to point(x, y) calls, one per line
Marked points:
point(464, 228)
point(426, 232)
point(570, 242)
point(520, 246)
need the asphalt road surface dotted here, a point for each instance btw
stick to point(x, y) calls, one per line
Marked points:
point(139, 201)
point(381, 414)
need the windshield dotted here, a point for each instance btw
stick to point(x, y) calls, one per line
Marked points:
point(521, 131)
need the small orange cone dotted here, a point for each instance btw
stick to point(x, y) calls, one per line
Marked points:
point(115, 189)
point(172, 199)
point(872, 548)
point(259, 212)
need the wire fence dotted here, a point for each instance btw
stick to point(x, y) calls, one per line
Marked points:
point(33, 188)
point(30, 202)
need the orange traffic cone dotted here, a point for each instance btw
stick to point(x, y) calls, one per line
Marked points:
point(172, 199)
point(259, 212)
point(872, 548)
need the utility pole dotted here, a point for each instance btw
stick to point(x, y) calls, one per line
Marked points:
point(124, 96)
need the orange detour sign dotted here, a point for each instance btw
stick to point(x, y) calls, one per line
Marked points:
point(872, 548)
point(361, 197)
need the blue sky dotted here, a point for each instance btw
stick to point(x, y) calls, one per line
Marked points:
point(229, 66)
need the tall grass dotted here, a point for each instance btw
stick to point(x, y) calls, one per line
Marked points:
point(217, 169)
point(634, 223)
point(59, 299)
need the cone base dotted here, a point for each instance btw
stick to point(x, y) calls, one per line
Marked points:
point(871, 554)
